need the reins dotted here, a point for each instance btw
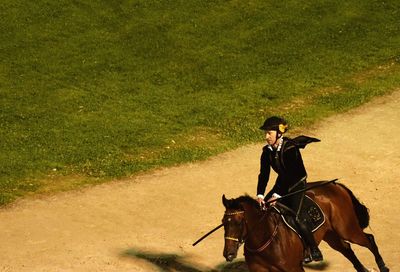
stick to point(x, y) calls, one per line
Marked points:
point(266, 244)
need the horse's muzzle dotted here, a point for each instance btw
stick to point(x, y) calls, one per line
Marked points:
point(230, 257)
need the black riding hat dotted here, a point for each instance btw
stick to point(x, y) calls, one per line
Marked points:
point(275, 123)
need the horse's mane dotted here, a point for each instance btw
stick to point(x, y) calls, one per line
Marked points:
point(236, 203)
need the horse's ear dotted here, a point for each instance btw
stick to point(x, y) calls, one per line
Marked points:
point(224, 201)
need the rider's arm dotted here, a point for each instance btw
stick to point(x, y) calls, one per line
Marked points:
point(263, 177)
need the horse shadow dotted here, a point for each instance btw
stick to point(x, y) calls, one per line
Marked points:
point(170, 262)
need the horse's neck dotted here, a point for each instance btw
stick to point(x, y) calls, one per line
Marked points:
point(251, 213)
point(260, 224)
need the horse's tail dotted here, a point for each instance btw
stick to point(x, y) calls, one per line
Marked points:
point(361, 211)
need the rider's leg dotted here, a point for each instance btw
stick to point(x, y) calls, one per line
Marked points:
point(295, 203)
point(308, 237)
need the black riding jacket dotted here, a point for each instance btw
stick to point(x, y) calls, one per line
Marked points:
point(287, 163)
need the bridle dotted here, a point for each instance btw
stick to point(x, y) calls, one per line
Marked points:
point(243, 239)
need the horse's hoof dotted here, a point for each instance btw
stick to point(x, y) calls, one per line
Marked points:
point(384, 269)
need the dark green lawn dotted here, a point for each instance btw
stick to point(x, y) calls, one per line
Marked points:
point(105, 89)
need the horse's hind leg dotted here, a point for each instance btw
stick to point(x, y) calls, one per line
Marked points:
point(378, 258)
point(368, 241)
point(343, 247)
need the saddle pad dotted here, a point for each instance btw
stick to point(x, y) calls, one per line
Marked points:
point(310, 212)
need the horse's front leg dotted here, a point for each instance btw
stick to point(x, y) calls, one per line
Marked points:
point(264, 267)
point(261, 268)
point(258, 264)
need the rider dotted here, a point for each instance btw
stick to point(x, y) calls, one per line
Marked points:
point(283, 155)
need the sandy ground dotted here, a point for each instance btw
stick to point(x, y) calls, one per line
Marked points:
point(148, 223)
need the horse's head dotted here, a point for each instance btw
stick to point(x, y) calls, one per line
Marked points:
point(234, 225)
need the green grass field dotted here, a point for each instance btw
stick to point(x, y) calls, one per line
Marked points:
point(96, 90)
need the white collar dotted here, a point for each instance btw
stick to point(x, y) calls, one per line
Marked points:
point(279, 145)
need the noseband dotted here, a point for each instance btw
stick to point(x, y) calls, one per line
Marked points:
point(242, 239)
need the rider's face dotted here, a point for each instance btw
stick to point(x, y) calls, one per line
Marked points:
point(270, 136)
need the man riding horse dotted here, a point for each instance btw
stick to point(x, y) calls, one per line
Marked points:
point(283, 155)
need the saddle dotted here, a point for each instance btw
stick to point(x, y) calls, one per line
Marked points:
point(311, 214)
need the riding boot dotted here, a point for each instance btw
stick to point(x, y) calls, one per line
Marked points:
point(308, 237)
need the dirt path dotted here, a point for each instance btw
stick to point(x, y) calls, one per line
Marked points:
point(149, 222)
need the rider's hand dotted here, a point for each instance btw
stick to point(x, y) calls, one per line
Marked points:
point(260, 200)
point(272, 198)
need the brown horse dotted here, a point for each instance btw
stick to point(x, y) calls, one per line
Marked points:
point(269, 245)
